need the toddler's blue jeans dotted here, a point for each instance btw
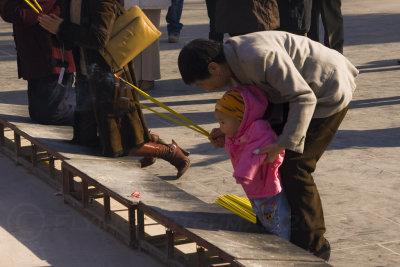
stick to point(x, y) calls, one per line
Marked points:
point(274, 214)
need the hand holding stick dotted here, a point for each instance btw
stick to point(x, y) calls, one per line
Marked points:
point(217, 138)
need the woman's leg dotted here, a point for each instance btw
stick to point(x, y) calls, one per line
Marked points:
point(171, 153)
point(147, 63)
point(85, 126)
point(48, 100)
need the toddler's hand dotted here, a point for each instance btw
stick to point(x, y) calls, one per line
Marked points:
point(217, 138)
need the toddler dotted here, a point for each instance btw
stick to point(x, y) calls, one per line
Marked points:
point(239, 113)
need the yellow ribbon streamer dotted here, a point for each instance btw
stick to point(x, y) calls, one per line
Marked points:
point(37, 4)
point(33, 7)
point(188, 123)
point(171, 119)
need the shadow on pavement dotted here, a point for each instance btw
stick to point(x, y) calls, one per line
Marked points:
point(389, 137)
point(15, 97)
point(175, 87)
point(375, 102)
point(16, 118)
point(371, 28)
point(6, 33)
point(379, 66)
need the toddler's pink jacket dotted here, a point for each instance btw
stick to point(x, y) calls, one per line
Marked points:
point(258, 180)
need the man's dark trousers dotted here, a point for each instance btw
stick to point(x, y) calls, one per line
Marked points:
point(308, 226)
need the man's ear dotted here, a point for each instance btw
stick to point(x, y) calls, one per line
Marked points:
point(213, 67)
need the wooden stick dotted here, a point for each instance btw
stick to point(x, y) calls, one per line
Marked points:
point(180, 116)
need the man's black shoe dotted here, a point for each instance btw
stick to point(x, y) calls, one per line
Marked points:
point(324, 252)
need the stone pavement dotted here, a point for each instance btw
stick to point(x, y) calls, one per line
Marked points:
point(357, 177)
point(38, 229)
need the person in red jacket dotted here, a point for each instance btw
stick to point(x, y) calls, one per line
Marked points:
point(42, 61)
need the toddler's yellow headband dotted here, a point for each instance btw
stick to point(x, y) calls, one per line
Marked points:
point(232, 104)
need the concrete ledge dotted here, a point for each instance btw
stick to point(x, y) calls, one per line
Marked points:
point(86, 176)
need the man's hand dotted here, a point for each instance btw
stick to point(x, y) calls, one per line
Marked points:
point(51, 23)
point(272, 151)
point(217, 138)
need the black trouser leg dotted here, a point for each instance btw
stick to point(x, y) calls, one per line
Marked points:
point(308, 226)
point(213, 35)
point(332, 20)
point(48, 101)
point(313, 33)
point(85, 126)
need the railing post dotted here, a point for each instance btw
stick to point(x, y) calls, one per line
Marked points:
point(34, 155)
point(17, 145)
point(140, 218)
point(200, 256)
point(107, 209)
point(85, 194)
point(2, 138)
point(170, 243)
point(132, 225)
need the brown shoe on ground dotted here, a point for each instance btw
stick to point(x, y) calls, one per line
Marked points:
point(146, 85)
point(173, 38)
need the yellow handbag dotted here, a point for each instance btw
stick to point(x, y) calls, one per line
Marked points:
point(131, 34)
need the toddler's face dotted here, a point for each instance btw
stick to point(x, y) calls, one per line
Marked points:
point(229, 125)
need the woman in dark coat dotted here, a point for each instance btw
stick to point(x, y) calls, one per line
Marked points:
point(122, 131)
point(39, 60)
point(238, 17)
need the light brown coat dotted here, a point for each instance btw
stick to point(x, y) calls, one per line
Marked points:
point(316, 81)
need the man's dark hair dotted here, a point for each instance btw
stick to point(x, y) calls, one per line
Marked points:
point(194, 58)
